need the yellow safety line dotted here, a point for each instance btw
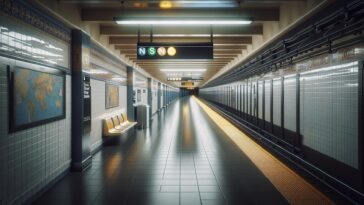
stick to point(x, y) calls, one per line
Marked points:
point(292, 186)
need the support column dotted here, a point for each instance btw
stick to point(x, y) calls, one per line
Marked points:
point(129, 93)
point(150, 97)
point(159, 95)
point(164, 96)
point(81, 102)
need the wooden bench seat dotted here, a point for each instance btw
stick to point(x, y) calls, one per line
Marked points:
point(116, 125)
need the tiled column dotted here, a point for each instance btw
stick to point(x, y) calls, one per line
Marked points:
point(150, 97)
point(159, 95)
point(81, 154)
point(164, 96)
point(129, 93)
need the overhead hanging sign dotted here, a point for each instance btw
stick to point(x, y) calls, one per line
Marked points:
point(175, 51)
point(187, 84)
point(191, 79)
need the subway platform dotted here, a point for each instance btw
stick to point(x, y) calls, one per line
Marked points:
point(189, 155)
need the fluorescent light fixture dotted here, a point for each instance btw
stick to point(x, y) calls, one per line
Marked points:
point(183, 70)
point(182, 22)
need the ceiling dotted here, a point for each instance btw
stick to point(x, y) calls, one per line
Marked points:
point(229, 41)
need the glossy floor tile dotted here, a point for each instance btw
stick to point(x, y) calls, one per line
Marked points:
point(183, 158)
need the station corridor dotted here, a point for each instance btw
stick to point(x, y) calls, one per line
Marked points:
point(184, 158)
point(183, 102)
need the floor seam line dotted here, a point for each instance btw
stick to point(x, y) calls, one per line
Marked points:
point(218, 184)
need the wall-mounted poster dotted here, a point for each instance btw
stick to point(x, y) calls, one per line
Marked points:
point(37, 97)
point(112, 95)
point(139, 95)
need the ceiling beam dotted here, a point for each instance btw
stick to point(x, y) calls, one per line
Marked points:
point(218, 40)
point(181, 61)
point(115, 30)
point(182, 66)
point(216, 47)
point(230, 46)
point(223, 58)
point(216, 51)
point(215, 55)
point(108, 14)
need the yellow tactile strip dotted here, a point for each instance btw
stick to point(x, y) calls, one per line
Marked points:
point(293, 187)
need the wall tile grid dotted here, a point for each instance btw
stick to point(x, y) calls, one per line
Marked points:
point(98, 111)
point(329, 107)
point(254, 98)
point(245, 97)
point(249, 97)
point(290, 103)
point(25, 42)
point(277, 99)
point(31, 158)
point(267, 96)
point(260, 99)
point(329, 86)
point(154, 96)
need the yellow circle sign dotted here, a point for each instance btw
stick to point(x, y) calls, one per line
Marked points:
point(171, 51)
point(161, 51)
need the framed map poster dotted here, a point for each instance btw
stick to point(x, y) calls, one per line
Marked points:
point(111, 95)
point(36, 97)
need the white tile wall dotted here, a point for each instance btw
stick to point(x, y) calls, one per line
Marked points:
point(248, 91)
point(267, 96)
point(98, 111)
point(144, 95)
point(260, 99)
point(254, 98)
point(277, 99)
point(31, 158)
point(22, 40)
point(329, 111)
point(290, 103)
point(246, 97)
point(154, 96)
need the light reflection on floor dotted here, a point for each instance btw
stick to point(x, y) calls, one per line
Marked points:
point(182, 159)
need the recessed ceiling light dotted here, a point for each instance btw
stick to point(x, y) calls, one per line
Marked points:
point(165, 4)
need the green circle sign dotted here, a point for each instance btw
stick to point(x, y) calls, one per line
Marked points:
point(152, 51)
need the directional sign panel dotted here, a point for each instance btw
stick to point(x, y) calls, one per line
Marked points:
point(191, 79)
point(175, 51)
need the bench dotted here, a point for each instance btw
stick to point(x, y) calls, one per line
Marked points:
point(116, 125)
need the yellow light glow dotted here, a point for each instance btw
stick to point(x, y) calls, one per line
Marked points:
point(171, 51)
point(165, 4)
point(161, 51)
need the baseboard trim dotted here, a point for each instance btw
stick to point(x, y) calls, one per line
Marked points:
point(82, 166)
point(96, 147)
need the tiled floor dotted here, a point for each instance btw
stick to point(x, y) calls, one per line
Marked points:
point(182, 159)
